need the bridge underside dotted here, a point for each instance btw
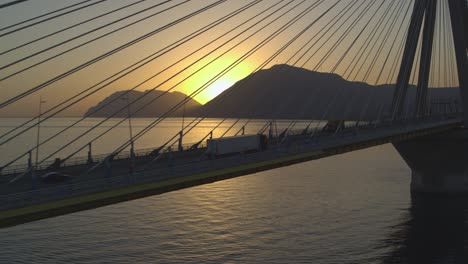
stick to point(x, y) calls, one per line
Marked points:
point(438, 162)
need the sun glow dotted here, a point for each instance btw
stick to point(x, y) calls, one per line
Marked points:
point(217, 87)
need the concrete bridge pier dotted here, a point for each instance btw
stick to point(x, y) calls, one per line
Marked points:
point(439, 163)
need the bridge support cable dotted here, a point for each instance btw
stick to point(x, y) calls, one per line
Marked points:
point(243, 83)
point(346, 33)
point(231, 127)
point(361, 14)
point(292, 124)
point(386, 12)
point(135, 66)
point(384, 64)
point(295, 54)
point(460, 39)
point(335, 67)
point(388, 28)
point(328, 27)
point(107, 161)
point(371, 39)
point(88, 41)
point(334, 47)
point(158, 120)
point(264, 64)
point(193, 63)
point(398, 53)
point(12, 3)
point(394, 17)
point(451, 59)
point(443, 64)
point(332, 22)
point(49, 18)
point(70, 27)
point(234, 64)
point(139, 64)
point(219, 56)
point(447, 55)
point(338, 18)
point(333, 33)
point(107, 54)
point(372, 65)
point(320, 34)
point(44, 15)
point(49, 139)
point(290, 97)
point(197, 121)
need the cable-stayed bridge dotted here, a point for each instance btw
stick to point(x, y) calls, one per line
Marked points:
point(201, 49)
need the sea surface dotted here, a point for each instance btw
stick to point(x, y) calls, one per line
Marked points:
point(350, 208)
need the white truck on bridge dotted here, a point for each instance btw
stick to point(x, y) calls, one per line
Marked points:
point(235, 144)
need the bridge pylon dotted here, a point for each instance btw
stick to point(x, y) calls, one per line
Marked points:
point(423, 18)
point(438, 162)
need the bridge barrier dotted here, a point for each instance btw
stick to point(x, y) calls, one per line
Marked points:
point(78, 161)
point(347, 136)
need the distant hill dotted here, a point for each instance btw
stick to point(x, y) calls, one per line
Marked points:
point(283, 92)
point(156, 108)
point(286, 92)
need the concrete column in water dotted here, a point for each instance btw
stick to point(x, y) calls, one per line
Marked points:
point(439, 163)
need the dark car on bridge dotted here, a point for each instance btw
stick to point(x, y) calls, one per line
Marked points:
point(55, 177)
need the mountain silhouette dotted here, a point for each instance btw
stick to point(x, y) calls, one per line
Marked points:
point(156, 108)
point(285, 92)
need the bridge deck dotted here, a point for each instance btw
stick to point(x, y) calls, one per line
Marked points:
point(94, 190)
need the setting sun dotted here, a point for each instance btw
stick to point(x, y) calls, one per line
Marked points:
point(218, 87)
point(224, 82)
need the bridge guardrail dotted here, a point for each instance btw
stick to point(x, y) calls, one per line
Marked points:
point(16, 169)
point(86, 187)
point(83, 160)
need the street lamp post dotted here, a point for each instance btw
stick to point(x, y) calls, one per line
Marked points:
point(129, 120)
point(38, 130)
point(132, 149)
point(36, 164)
